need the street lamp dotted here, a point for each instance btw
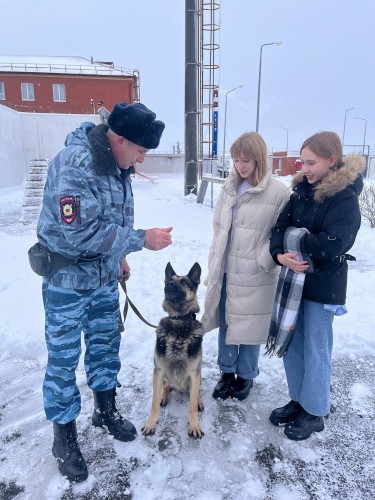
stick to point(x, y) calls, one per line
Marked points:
point(343, 134)
point(225, 120)
point(364, 135)
point(277, 42)
point(286, 139)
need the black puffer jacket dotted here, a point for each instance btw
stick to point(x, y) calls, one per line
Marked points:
point(330, 211)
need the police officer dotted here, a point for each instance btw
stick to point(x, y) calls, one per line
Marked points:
point(87, 218)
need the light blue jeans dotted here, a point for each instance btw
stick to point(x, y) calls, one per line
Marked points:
point(239, 359)
point(307, 362)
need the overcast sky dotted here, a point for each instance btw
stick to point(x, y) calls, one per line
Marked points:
point(325, 65)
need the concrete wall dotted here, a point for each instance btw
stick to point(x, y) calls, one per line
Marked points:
point(12, 158)
point(36, 136)
point(31, 136)
point(163, 163)
point(44, 134)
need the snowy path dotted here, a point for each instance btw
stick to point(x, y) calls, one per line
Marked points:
point(241, 456)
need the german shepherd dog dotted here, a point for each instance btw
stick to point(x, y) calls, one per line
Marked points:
point(178, 350)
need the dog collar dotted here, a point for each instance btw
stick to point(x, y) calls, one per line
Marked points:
point(184, 317)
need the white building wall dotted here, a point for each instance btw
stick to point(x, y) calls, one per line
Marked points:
point(44, 134)
point(12, 159)
point(162, 163)
point(38, 136)
point(32, 136)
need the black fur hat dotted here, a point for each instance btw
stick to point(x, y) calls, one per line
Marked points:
point(136, 123)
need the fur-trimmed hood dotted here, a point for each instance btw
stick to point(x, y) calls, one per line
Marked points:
point(337, 179)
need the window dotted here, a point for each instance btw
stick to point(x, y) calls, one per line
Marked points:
point(2, 91)
point(59, 94)
point(27, 91)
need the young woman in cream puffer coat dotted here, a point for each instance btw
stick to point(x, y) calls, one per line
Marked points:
point(242, 275)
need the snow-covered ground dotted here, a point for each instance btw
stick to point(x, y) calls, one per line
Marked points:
point(241, 456)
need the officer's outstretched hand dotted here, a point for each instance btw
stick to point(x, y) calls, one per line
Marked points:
point(158, 238)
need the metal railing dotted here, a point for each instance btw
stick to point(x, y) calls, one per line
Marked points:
point(80, 69)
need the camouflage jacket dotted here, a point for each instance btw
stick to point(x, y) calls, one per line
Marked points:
point(88, 210)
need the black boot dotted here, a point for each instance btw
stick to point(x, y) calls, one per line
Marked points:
point(286, 414)
point(303, 426)
point(241, 388)
point(106, 415)
point(223, 388)
point(66, 450)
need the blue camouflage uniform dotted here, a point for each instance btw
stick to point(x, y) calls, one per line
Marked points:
point(87, 215)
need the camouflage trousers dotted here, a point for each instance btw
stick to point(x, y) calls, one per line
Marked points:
point(68, 313)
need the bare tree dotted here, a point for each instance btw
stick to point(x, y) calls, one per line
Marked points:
point(367, 203)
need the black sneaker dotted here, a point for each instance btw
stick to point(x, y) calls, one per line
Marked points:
point(223, 388)
point(286, 414)
point(303, 426)
point(241, 388)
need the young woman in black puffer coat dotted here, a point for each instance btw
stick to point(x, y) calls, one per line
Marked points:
point(325, 202)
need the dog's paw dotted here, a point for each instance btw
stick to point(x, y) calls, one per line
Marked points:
point(196, 432)
point(148, 430)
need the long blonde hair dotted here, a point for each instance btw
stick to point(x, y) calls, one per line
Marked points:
point(252, 146)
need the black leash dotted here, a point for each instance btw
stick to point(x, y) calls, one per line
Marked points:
point(128, 303)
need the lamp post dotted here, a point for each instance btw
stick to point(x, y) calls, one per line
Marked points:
point(364, 135)
point(92, 104)
point(286, 139)
point(343, 134)
point(225, 120)
point(277, 42)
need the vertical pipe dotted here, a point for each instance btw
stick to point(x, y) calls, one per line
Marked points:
point(225, 131)
point(259, 79)
point(364, 138)
point(343, 133)
point(191, 97)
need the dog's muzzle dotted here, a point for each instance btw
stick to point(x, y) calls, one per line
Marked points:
point(173, 292)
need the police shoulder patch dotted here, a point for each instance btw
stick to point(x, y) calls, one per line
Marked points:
point(68, 209)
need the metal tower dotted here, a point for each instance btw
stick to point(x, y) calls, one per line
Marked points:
point(208, 84)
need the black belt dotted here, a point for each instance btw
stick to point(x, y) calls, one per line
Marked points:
point(44, 262)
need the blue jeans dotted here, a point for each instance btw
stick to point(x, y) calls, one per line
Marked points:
point(307, 362)
point(240, 359)
point(68, 313)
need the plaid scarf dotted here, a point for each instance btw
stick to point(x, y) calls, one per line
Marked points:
point(288, 297)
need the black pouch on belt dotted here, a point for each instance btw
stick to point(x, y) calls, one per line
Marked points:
point(44, 262)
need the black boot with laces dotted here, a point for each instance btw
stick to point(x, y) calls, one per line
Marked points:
point(107, 416)
point(66, 450)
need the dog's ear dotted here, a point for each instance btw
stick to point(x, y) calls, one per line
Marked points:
point(195, 273)
point(169, 272)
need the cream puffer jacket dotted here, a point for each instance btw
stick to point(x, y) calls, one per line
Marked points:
point(251, 272)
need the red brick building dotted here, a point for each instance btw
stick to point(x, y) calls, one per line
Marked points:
point(60, 84)
point(284, 164)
